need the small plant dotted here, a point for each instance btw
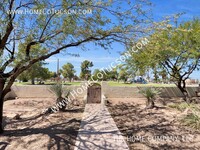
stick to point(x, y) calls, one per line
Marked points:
point(192, 120)
point(150, 93)
point(58, 90)
point(182, 106)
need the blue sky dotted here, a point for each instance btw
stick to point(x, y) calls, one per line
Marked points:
point(103, 58)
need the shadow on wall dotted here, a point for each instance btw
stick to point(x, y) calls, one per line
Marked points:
point(169, 92)
point(11, 95)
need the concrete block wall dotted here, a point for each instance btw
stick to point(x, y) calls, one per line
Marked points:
point(128, 92)
point(175, 92)
point(120, 91)
point(42, 91)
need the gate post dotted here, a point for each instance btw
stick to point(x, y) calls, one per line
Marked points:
point(103, 92)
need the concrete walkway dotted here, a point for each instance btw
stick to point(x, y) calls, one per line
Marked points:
point(98, 131)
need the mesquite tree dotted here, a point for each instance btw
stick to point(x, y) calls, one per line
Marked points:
point(57, 26)
point(174, 48)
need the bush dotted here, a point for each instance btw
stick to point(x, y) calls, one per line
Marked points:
point(182, 106)
point(58, 90)
point(192, 120)
point(150, 93)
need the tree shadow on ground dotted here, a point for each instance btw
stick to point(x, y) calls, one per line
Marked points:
point(3, 145)
point(7, 122)
point(74, 110)
point(134, 121)
point(60, 135)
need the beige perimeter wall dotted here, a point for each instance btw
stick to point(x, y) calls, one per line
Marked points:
point(42, 91)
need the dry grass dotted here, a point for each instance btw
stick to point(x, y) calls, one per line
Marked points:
point(192, 120)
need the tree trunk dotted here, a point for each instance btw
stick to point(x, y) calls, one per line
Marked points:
point(182, 87)
point(150, 103)
point(59, 103)
point(2, 83)
point(33, 81)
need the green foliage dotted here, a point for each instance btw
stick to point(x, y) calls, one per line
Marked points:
point(44, 73)
point(100, 75)
point(36, 71)
point(36, 51)
point(155, 75)
point(124, 72)
point(85, 69)
point(107, 75)
point(113, 74)
point(59, 90)
point(41, 35)
point(53, 74)
point(23, 77)
point(173, 49)
point(163, 74)
point(68, 71)
point(192, 120)
point(50, 33)
point(95, 75)
point(123, 75)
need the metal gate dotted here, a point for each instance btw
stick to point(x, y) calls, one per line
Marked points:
point(94, 94)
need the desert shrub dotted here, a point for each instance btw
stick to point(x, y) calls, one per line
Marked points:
point(150, 93)
point(192, 120)
point(182, 106)
point(59, 91)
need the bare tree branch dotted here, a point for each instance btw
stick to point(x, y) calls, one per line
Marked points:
point(17, 70)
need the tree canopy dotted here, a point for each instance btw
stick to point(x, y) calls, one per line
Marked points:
point(68, 71)
point(174, 48)
point(85, 69)
point(54, 31)
point(36, 71)
point(56, 26)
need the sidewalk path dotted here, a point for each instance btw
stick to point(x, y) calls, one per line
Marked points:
point(98, 130)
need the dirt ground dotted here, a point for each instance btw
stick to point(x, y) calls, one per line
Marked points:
point(156, 129)
point(39, 132)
